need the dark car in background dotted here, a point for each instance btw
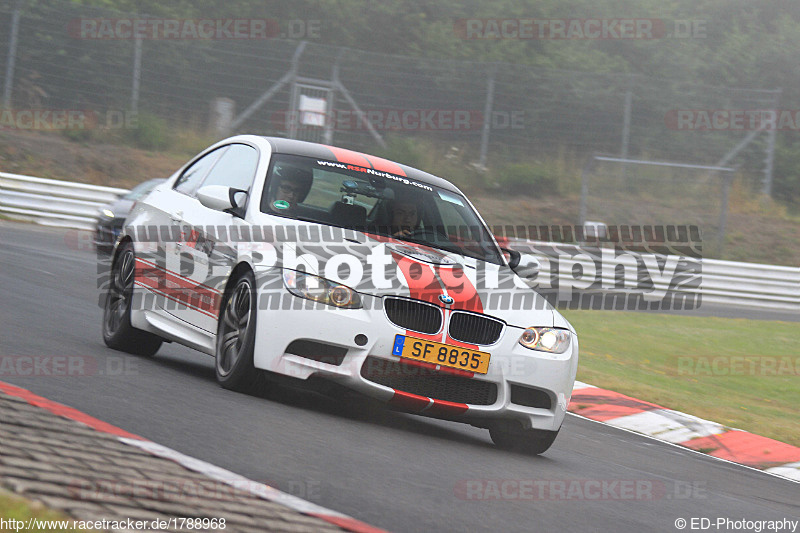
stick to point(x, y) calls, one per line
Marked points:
point(112, 216)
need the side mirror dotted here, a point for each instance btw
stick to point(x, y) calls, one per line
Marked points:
point(512, 256)
point(221, 198)
point(528, 267)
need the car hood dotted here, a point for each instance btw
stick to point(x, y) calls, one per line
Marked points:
point(383, 266)
point(120, 208)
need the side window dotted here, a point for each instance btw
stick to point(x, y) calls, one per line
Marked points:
point(236, 168)
point(188, 181)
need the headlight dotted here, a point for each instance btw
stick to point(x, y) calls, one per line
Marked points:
point(108, 213)
point(320, 290)
point(545, 339)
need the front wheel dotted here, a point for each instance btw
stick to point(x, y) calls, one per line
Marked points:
point(531, 441)
point(236, 334)
point(118, 333)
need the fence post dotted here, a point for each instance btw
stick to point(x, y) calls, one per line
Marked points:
point(585, 174)
point(137, 74)
point(487, 117)
point(769, 161)
point(327, 134)
point(727, 178)
point(626, 124)
point(12, 55)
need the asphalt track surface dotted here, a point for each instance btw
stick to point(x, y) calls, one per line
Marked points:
point(392, 470)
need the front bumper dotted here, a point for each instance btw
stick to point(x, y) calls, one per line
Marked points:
point(353, 347)
point(106, 233)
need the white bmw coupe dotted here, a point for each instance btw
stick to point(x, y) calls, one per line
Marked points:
point(282, 257)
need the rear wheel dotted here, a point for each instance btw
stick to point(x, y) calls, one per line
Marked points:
point(118, 333)
point(236, 334)
point(514, 438)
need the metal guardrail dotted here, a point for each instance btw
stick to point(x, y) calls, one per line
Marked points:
point(76, 205)
point(751, 284)
point(738, 284)
point(53, 202)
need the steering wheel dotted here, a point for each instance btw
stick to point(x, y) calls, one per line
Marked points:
point(432, 235)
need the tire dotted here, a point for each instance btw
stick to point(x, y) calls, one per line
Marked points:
point(236, 335)
point(118, 333)
point(530, 441)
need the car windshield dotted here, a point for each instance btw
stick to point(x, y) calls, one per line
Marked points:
point(141, 190)
point(376, 202)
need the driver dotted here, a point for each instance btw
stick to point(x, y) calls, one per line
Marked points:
point(290, 186)
point(405, 218)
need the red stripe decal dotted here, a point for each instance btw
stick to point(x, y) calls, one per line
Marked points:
point(443, 407)
point(455, 371)
point(461, 289)
point(177, 288)
point(432, 366)
point(385, 165)
point(182, 299)
point(419, 364)
point(409, 402)
point(349, 156)
point(66, 412)
point(177, 278)
point(420, 278)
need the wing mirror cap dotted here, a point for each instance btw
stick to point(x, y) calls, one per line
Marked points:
point(220, 197)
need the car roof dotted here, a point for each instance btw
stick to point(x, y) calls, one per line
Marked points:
point(280, 145)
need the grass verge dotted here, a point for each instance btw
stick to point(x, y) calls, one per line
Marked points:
point(740, 373)
point(15, 508)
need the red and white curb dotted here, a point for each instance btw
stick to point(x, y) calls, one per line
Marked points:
point(591, 402)
point(216, 473)
point(685, 430)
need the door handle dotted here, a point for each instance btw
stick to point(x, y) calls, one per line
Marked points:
point(176, 217)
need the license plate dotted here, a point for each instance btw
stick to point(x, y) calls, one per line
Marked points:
point(441, 354)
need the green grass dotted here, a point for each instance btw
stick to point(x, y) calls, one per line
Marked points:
point(667, 360)
point(16, 508)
